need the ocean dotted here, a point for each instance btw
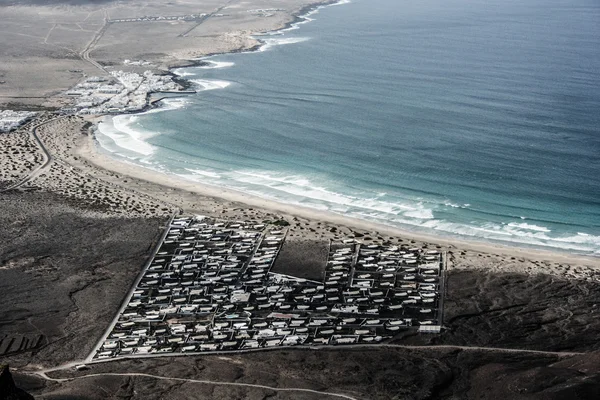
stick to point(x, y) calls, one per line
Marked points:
point(475, 119)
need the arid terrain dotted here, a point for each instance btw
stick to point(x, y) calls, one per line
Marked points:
point(78, 227)
point(76, 235)
point(48, 46)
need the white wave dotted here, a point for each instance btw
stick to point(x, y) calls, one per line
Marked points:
point(217, 64)
point(261, 178)
point(450, 204)
point(121, 132)
point(300, 190)
point(293, 27)
point(209, 174)
point(174, 103)
point(316, 10)
point(270, 43)
point(210, 84)
point(309, 193)
point(183, 72)
point(167, 104)
point(581, 242)
point(529, 227)
point(420, 214)
point(581, 238)
point(304, 19)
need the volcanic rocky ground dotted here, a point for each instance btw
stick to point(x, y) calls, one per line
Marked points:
point(64, 270)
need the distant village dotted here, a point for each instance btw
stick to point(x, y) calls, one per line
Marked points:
point(210, 288)
point(10, 120)
point(124, 92)
point(265, 12)
point(121, 92)
point(190, 17)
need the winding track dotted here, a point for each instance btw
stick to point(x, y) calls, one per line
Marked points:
point(48, 159)
point(43, 373)
point(46, 154)
point(205, 382)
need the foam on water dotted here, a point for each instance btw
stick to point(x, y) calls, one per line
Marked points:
point(168, 104)
point(455, 205)
point(307, 17)
point(423, 206)
point(301, 190)
point(319, 8)
point(528, 227)
point(304, 190)
point(120, 131)
point(124, 132)
point(210, 84)
point(217, 64)
point(420, 214)
point(183, 72)
point(209, 174)
point(272, 42)
point(580, 242)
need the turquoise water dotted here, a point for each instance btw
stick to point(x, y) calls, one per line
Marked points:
point(478, 119)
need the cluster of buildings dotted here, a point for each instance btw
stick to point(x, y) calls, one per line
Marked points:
point(122, 92)
point(210, 288)
point(265, 12)
point(138, 63)
point(190, 17)
point(388, 281)
point(10, 120)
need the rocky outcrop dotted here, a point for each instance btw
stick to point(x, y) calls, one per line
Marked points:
point(8, 389)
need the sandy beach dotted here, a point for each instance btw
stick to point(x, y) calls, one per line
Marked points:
point(81, 171)
point(79, 225)
point(90, 175)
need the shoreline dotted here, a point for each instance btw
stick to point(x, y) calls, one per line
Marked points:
point(239, 196)
point(187, 86)
point(83, 224)
point(89, 152)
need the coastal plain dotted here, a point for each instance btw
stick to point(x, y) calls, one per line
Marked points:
point(78, 227)
point(47, 47)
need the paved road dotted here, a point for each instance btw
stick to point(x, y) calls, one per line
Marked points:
point(85, 53)
point(46, 154)
point(479, 348)
point(129, 295)
point(72, 364)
